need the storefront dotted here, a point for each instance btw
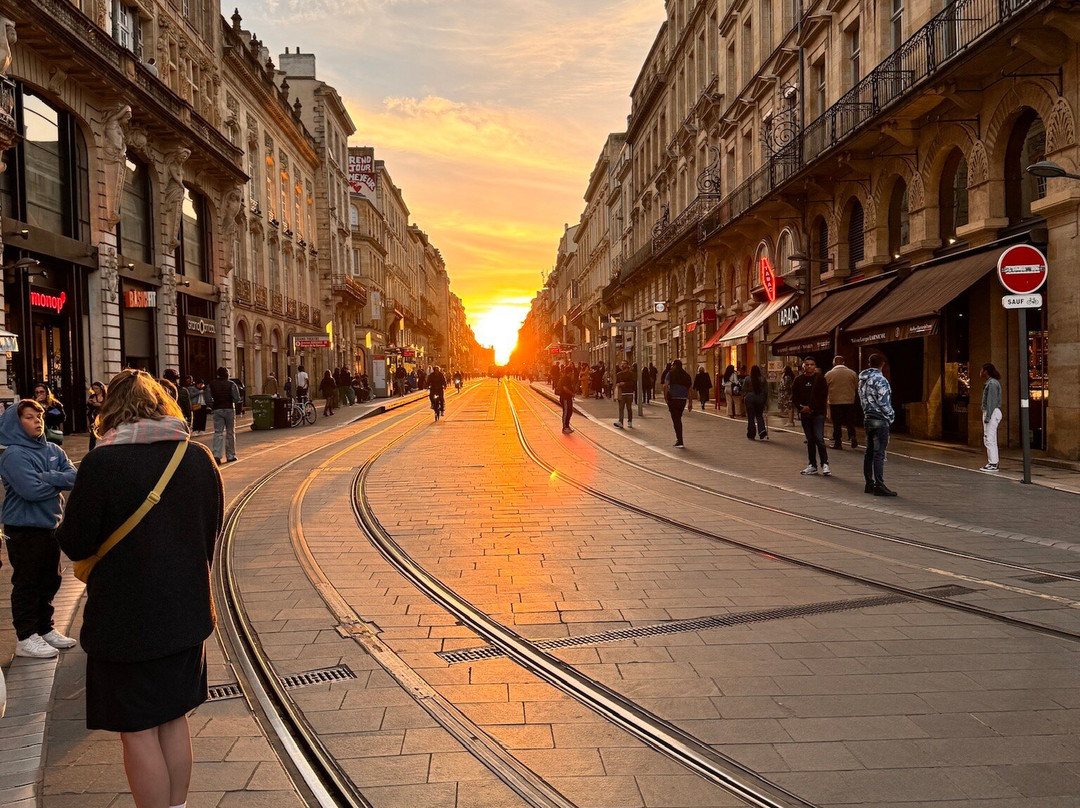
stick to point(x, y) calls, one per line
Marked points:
point(198, 337)
point(137, 326)
point(47, 310)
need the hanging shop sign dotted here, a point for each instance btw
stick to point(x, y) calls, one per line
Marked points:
point(140, 299)
point(789, 315)
point(1022, 269)
point(708, 316)
point(768, 278)
point(48, 299)
point(200, 326)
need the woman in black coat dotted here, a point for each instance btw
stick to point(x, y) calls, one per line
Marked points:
point(703, 384)
point(148, 607)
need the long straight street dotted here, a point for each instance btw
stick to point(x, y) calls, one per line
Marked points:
point(493, 613)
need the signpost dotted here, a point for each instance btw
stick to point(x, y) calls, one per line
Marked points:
point(630, 341)
point(1022, 270)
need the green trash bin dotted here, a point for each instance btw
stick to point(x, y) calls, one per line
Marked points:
point(262, 412)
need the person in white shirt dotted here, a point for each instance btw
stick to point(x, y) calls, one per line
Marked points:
point(301, 383)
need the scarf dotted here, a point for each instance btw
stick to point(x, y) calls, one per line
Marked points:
point(146, 430)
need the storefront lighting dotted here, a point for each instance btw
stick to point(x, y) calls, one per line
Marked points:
point(804, 257)
point(1048, 168)
point(17, 234)
point(952, 239)
point(185, 282)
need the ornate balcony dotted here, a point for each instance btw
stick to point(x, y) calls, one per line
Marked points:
point(277, 303)
point(305, 312)
point(342, 283)
point(242, 292)
point(316, 316)
point(290, 308)
point(261, 297)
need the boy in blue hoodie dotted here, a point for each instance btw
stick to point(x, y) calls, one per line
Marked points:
point(34, 473)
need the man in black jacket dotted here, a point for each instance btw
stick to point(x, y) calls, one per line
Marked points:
point(224, 395)
point(810, 397)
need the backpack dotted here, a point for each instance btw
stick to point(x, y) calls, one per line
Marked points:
point(736, 386)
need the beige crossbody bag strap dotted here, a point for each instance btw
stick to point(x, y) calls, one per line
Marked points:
point(84, 566)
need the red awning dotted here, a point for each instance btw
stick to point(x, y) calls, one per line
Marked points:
point(721, 330)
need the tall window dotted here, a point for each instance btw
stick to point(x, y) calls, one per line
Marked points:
point(194, 243)
point(854, 55)
point(44, 165)
point(127, 28)
point(747, 51)
point(273, 279)
point(256, 259)
point(1027, 145)
point(135, 213)
point(765, 27)
point(732, 79)
point(817, 72)
point(899, 232)
point(953, 204)
point(856, 226)
point(896, 24)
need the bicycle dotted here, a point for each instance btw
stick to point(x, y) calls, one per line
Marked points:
point(438, 404)
point(300, 410)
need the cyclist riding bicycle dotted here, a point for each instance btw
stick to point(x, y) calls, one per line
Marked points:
point(458, 380)
point(436, 387)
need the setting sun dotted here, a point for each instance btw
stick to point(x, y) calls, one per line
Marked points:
point(498, 327)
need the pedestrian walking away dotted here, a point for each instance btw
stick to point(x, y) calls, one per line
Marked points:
point(676, 394)
point(93, 406)
point(270, 385)
point(224, 396)
point(875, 396)
point(183, 393)
point(626, 387)
point(148, 608)
point(755, 396)
point(991, 413)
point(328, 387)
point(810, 396)
point(728, 382)
point(565, 389)
point(200, 406)
point(843, 383)
point(702, 386)
point(34, 473)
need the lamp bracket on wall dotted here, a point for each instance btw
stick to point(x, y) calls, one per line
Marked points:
point(1057, 77)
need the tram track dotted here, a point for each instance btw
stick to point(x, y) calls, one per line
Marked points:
point(821, 521)
point(913, 594)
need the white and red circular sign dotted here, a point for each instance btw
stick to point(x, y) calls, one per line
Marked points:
point(1022, 269)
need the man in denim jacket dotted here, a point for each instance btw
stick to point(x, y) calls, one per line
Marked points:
point(875, 395)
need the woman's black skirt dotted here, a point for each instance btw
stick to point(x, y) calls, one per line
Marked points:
point(135, 696)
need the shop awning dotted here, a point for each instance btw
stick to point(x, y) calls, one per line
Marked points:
point(814, 331)
point(754, 320)
point(913, 307)
point(722, 329)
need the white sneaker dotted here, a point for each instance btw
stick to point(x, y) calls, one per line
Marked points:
point(58, 640)
point(989, 467)
point(809, 470)
point(825, 470)
point(34, 646)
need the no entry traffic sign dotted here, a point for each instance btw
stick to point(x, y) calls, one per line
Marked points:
point(1022, 269)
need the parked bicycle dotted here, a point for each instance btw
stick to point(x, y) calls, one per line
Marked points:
point(300, 410)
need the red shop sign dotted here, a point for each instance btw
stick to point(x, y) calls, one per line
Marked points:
point(768, 279)
point(48, 299)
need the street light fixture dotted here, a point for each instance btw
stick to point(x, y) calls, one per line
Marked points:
point(1048, 169)
point(807, 258)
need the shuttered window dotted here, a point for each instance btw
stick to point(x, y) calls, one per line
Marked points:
point(855, 236)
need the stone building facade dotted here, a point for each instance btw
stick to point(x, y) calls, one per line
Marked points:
point(820, 178)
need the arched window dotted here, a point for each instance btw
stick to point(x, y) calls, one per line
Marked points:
point(1027, 145)
point(783, 254)
point(194, 242)
point(953, 205)
point(134, 231)
point(899, 233)
point(354, 217)
point(856, 225)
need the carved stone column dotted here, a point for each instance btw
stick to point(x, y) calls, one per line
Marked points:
point(8, 133)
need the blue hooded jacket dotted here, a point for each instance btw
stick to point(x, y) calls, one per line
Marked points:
point(34, 473)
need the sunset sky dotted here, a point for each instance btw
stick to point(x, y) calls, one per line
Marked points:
point(490, 114)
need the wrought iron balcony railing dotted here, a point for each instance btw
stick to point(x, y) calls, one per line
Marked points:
point(290, 308)
point(341, 282)
point(261, 297)
point(277, 303)
point(242, 292)
point(305, 312)
point(316, 316)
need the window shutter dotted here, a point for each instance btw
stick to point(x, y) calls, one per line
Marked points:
point(855, 236)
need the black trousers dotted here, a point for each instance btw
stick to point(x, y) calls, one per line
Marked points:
point(567, 411)
point(35, 578)
point(843, 415)
point(675, 407)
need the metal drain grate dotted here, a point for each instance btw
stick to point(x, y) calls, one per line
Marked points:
point(680, 626)
point(1046, 579)
point(338, 673)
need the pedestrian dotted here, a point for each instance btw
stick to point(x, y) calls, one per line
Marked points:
point(199, 406)
point(755, 396)
point(328, 387)
point(676, 394)
point(183, 395)
point(34, 473)
point(93, 406)
point(810, 396)
point(54, 413)
point(346, 387)
point(702, 385)
point(399, 380)
point(843, 383)
point(148, 608)
point(421, 378)
point(875, 396)
point(787, 381)
point(646, 386)
point(585, 378)
point(301, 383)
point(728, 381)
point(664, 375)
point(653, 375)
point(991, 413)
point(625, 388)
point(597, 381)
point(412, 380)
point(223, 396)
point(565, 389)
point(270, 385)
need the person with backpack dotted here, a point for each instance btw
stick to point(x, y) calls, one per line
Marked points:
point(224, 396)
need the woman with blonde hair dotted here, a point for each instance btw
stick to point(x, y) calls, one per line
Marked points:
point(146, 508)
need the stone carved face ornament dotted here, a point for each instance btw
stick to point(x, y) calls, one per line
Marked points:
point(6, 42)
